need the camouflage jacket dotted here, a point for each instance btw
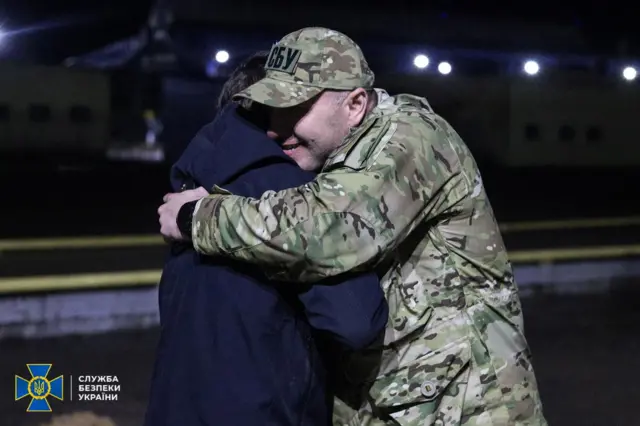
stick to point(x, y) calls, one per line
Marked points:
point(402, 195)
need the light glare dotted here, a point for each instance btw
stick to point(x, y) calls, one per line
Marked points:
point(629, 73)
point(421, 61)
point(444, 68)
point(222, 56)
point(531, 67)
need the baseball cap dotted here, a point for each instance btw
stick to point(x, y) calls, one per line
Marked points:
point(306, 62)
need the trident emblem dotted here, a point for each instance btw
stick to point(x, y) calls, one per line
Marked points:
point(39, 388)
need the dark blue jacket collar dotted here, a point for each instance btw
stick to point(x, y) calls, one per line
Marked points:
point(215, 155)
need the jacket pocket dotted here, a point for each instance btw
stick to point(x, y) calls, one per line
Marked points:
point(418, 390)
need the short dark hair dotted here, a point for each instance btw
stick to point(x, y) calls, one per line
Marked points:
point(250, 71)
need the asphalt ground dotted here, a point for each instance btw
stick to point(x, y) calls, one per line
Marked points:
point(585, 355)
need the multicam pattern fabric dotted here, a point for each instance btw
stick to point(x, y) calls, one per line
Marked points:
point(402, 195)
point(306, 62)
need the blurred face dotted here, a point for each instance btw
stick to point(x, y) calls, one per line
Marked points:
point(310, 132)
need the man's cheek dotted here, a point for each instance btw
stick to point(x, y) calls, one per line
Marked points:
point(306, 161)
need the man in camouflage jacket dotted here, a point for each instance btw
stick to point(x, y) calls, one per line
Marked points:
point(398, 192)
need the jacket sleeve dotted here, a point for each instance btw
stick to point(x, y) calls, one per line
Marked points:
point(347, 218)
point(352, 310)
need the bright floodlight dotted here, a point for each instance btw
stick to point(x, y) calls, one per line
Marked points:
point(444, 68)
point(222, 56)
point(531, 67)
point(629, 73)
point(421, 61)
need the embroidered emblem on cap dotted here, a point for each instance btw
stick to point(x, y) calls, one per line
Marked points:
point(283, 58)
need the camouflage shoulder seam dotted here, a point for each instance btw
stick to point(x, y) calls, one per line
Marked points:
point(445, 127)
point(384, 140)
point(411, 117)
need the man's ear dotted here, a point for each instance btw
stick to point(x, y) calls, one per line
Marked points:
point(356, 104)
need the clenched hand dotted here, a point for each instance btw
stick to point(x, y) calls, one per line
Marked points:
point(168, 212)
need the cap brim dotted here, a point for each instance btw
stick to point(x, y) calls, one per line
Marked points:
point(278, 94)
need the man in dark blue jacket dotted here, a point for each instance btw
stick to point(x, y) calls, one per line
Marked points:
point(220, 360)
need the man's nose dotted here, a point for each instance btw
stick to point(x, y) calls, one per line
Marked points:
point(272, 135)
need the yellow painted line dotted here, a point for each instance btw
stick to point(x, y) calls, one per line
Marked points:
point(80, 242)
point(79, 281)
point(578, 253)
point(552, 225)
point(116, 241)
point(151, 277)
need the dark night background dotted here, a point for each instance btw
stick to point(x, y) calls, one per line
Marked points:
point(585, 343)
point(53, 30)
